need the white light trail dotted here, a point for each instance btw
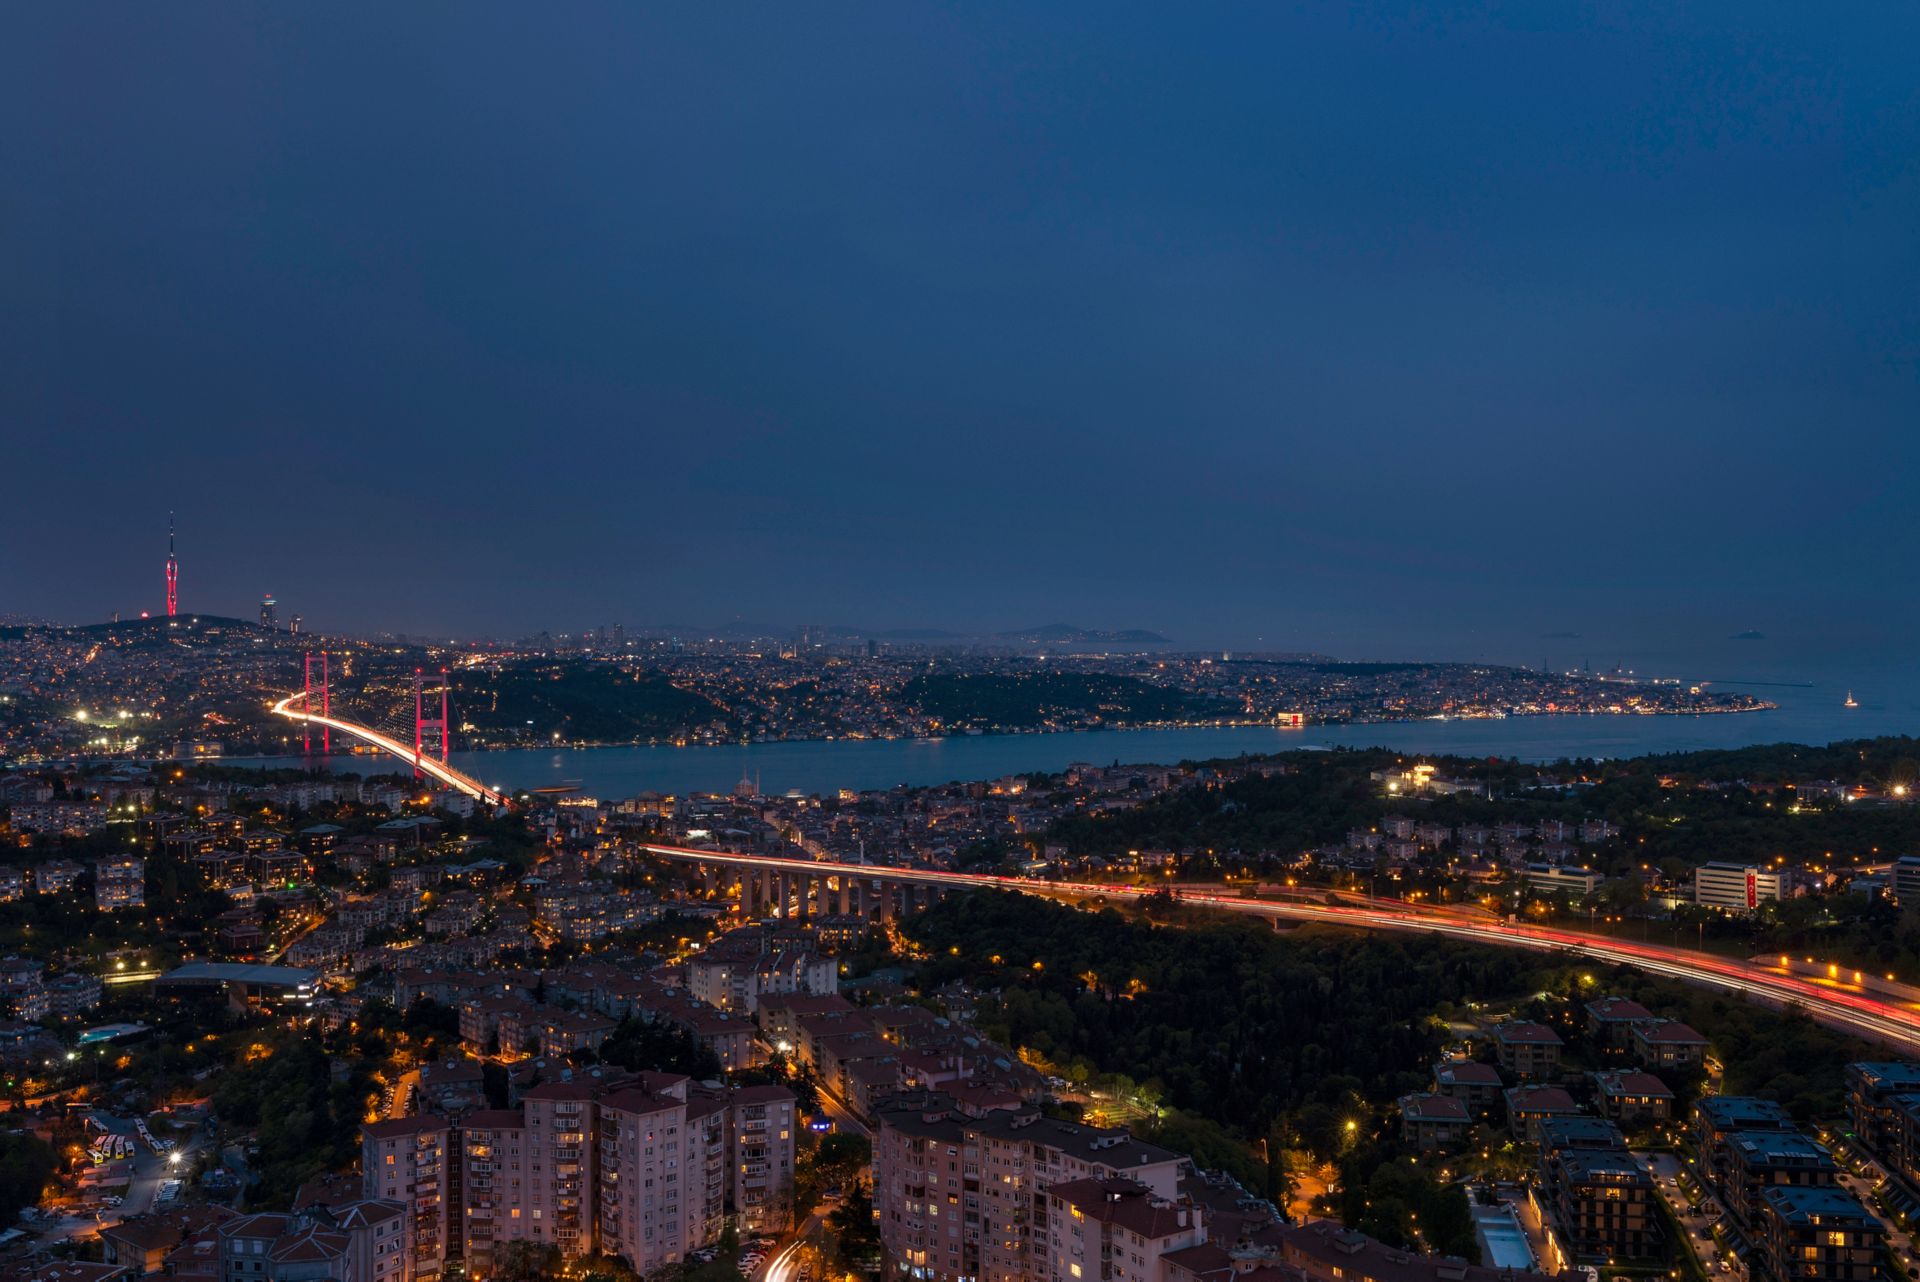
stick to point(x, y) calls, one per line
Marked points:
point(1881, 1021)
point(386, 743)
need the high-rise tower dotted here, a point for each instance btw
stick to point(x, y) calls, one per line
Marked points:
point(173, 573)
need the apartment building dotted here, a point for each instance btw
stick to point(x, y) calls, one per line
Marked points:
point(744, 966)
point(1115, 1230)
point(1903, 880)
point(1477, 1086)
point(765, 1121)
point(652, 1177)
point(965, 1197)
point(359, 1241)
point(1528, 1107)
point(1433, 1122)
point(495, 1173)
point(1717, 1118)
point(1760, 1160)
point(1875, 1103)
point(1599, 1207)
point(120, 881)
point(1818, 1235)
point(407, 1160)
point(1631, 1097)
point(646, 1167)
point(1738, 888)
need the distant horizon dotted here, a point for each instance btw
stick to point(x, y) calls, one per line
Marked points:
point(1772, 659)
point(1273, 328)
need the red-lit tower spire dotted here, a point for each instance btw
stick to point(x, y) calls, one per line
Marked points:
point(173, 573)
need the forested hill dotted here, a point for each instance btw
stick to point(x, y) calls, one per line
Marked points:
point(577, 702)
point(1038, 699)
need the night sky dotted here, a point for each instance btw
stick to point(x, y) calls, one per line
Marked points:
point(1363, 329)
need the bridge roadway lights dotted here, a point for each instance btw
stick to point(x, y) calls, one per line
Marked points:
point(438, 769)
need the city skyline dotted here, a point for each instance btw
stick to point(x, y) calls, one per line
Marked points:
point(1803, 649)
point(1297, 331)
point(984, 643)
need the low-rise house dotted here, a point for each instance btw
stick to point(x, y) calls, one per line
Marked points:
point(1630, 1096)
point(1528, 1106)
point(1667, 1043)
point(1611, 1020)
point(1434, 1122)
point(1475, 1085)
point(1527, 1049)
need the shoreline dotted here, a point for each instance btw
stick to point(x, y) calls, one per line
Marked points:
point(1041, 732)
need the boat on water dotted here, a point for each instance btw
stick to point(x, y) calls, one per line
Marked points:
point(1851, 703)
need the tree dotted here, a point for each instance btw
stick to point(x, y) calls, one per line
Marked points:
point(853, 1224)
point(658, 1047)
point(526, 1261)
point(26, 1164)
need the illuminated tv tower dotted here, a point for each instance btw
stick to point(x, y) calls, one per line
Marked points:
point(173, 573)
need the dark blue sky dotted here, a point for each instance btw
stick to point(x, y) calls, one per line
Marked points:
point(1374, 330)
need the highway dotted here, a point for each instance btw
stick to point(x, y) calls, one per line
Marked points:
point(1859, 1013)
point(426, 765)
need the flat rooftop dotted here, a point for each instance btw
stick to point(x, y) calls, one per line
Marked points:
point(243, 973)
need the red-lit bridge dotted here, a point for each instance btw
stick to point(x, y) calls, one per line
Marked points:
point(786, 886)
point(431, 766)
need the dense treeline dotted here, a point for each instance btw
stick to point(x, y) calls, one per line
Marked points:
point(1249, 1030)
point(26, 1164)
point(579, 701)
point(308, 1118)
point(658, 1047)
point(1327, 794)
point(1032, 699)
point(1657, 801)
point(1228, 1020)
point(1889, 759)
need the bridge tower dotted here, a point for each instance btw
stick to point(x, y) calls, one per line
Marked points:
point(326, 707)
point(173, 573)
point(429, 732)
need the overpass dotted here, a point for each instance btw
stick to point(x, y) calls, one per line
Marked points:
point(788, 886)
point(430, 766)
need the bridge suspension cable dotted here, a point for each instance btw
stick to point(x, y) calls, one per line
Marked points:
point(421, 762)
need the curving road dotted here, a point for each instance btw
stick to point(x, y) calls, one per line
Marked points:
point(426, 765)
point(1856, 1012)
